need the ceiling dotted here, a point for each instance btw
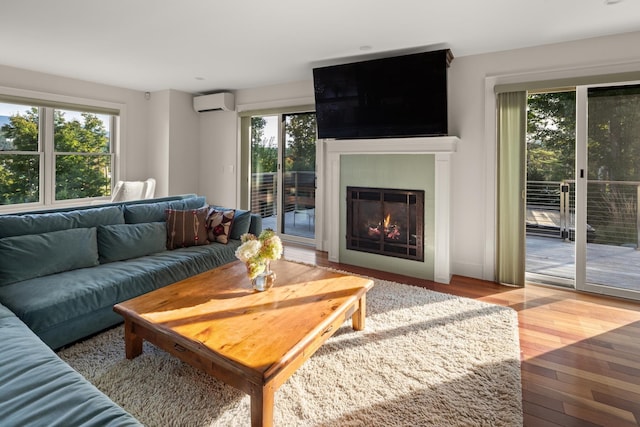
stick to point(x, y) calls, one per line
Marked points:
point(202, 46)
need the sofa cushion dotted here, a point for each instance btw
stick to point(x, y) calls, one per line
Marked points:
point(67, 311)
point(241, 222)
point(155, 212)
point(35, 255)
point(187, 228)
point(150, 212)
point(38, 389)
point(125, 241)
point(18, 225)
point(218, 225)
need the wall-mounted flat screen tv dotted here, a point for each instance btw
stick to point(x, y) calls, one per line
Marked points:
point(401, 96)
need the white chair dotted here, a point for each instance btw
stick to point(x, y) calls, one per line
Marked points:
point(133, 190)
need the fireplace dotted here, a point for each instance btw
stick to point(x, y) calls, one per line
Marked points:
point(421, 163)
point(386, 221)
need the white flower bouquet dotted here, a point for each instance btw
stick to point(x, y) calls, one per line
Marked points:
point(257, 252)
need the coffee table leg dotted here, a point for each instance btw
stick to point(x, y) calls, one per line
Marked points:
point(132, 342)
point(357, 320)
point(262, 407)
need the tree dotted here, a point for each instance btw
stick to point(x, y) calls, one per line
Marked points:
point(613, 147)
point(551, 122)
point(614, 155)
point(20, 173)
point(264, 154)
point(301, 142)
point(87, 174)
point(614, 133)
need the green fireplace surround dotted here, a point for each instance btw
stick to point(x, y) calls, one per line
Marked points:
point(399, 171)
point(420, 163)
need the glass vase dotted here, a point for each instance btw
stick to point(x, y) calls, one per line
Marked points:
point(264, 280)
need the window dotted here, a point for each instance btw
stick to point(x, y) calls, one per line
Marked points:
point(50, 154)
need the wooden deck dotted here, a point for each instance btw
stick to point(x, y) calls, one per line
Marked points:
point(300, 224)
point(615, 266)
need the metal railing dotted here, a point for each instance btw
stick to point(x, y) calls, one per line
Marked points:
point(299, 190)
point(613, 209)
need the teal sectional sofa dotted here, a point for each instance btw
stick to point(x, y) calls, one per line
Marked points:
point(61, 272)
point(38, 389)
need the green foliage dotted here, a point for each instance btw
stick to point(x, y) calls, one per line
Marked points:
point(613, 153)
point(264, 155)
point(300, 139)
point(19, 178)
point(551, 123)
point(613, 129)
point(614, 134)
point(300, 153)
point(20, 173)
point(81, 176)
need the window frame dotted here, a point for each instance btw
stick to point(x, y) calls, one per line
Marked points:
point(47, 103)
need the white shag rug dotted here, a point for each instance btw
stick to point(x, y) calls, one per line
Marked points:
point(424, 359)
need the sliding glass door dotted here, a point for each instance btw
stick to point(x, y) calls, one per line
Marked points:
point(608, 187)
point(583, 198)
point(283, 173)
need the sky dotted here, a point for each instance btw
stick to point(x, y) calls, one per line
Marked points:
point(271, 128)
point(11, 109)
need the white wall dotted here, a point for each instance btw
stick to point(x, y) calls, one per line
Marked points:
point(163, 136)
point(184, 148)
point(159, 136)
point(174, 150)
point(276, 96)
point(218, 163)
point(134, 126)
point(158, 151)
point(472, 118)
point(219, 138)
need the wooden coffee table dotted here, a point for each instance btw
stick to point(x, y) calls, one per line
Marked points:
point(253, 341)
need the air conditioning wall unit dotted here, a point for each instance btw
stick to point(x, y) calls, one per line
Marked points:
point(224, 101)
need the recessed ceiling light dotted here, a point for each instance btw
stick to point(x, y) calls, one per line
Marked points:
point(365, 47)
point(608, 2)
point(199, 78)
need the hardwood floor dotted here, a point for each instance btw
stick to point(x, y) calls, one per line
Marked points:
point(580, 353)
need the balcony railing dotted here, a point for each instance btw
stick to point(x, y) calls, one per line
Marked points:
point(612, 210)
point(299, 188)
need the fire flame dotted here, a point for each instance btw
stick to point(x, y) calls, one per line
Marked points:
point(387, 220)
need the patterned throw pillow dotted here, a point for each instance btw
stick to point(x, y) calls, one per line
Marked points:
point(187, 228)
point(219, 224)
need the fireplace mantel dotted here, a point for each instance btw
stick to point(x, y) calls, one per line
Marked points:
point(441, 147)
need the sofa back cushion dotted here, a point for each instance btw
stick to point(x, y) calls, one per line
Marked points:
point(156, 212)
point(124, 241)
point(18, 225)
point(36, 255)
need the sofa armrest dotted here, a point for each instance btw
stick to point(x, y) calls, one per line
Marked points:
point(37, 388)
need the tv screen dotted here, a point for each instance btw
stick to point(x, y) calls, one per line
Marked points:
point(400, 96)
